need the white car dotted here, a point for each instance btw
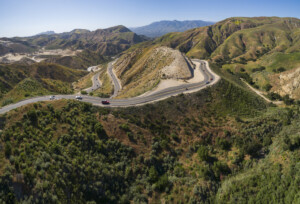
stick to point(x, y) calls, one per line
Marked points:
point(52, 97)
point(78, 97)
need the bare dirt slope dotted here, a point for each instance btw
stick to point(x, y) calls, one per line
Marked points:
point(287, 82)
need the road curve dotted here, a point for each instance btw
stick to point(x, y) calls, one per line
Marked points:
point(117, 85)
point(96, 83)
point(209, 79)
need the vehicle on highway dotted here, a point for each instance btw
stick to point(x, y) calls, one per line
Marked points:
point(105, 102)
point(52, 97)
point(78, 97)
point(211, 79)
point(207, 82)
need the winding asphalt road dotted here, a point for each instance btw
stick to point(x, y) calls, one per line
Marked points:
point(117, 85)
point(209, 79)
point(96, 83)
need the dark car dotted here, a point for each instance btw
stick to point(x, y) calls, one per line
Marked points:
point(207, 82)
point(105, 102)
point(211, 79)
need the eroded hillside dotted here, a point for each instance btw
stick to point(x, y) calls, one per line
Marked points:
point(287, 83)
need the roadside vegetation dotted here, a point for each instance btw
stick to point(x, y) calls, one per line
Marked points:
point(83, 83)
point(221, 144)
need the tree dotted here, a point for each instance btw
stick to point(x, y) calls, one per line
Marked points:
point(32, 116)
point(8, 149)
point(153, 175)
point(287, 100)
point(99, 129)
point(83, 92)
point(268, 87)
point(162, 183)
point(203, 153)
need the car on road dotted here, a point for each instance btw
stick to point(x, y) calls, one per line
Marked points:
point(52, 97)
point(78, 97)
point(105, 102)
point(207, 82)
point(211, 79)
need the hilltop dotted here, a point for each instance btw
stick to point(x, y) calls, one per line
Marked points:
point(50, 32)
point(141, 69)
point(157, 29)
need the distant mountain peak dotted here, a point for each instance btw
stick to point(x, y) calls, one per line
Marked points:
point(119, 28)
point(160, 28)
point(50, 32)
point(80, 31)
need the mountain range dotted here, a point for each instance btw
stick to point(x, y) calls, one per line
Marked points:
point(157, 29)
point(108, 41)
point(50, 32)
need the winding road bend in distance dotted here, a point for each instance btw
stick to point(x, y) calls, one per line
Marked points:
point(209, 79)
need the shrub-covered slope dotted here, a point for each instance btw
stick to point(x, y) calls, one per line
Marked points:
point(222, 144)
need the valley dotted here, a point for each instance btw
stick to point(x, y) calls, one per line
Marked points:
point(207, 114)
point(209, 78)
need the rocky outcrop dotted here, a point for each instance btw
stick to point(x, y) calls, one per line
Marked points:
point(287, 83)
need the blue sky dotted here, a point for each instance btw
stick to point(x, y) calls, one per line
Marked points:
point(28, 17)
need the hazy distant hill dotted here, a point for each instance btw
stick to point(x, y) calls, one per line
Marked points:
point(46, 33)
point(160, 28)
point(109, 41)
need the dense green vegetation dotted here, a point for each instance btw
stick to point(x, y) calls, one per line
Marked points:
point(222, 144)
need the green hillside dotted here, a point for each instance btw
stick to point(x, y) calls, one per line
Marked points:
point(257, 49)
point(18, 81)
point(222, 144)
point(237, 37)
